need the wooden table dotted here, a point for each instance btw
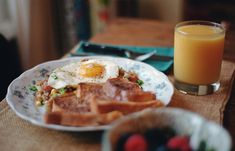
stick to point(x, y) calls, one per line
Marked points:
point(154, 33)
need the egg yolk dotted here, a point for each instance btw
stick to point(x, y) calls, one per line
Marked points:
point(91, 70)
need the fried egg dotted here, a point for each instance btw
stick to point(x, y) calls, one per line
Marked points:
point(90, 71)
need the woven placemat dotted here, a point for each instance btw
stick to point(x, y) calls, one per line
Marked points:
point(210, 106)
point(17, 134)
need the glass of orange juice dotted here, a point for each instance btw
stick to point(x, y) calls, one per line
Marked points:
point(198, 53)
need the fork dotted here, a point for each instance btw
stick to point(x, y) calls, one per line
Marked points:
point(134, 56)
point(91, 48)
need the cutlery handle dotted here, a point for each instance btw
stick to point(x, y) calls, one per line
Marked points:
point(103, 49)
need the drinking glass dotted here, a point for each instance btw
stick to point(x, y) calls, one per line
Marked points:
point(198, 53)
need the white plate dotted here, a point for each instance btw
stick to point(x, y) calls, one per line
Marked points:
point(21, 99)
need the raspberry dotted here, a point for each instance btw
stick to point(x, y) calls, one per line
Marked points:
point(122, 140)
point(179, 142)
point(136, 142)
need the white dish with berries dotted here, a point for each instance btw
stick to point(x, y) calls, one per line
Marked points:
point(191, 132)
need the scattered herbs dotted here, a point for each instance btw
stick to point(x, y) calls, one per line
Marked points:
point(140, 82)
point(54, 76)
point(33, 88)
point(62, 91)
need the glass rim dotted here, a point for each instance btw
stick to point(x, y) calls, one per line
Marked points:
point(200, 22)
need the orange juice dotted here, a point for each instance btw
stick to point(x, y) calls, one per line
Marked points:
point(198, 52)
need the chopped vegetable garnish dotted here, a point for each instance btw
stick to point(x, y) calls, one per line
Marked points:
point(54, 76)
point(33, 88)
point(62, 90)
point(140, 82)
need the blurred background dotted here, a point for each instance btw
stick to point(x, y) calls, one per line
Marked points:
point(34, 31)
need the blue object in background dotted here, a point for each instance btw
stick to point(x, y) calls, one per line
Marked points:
point(158, 64)
point(82, 18)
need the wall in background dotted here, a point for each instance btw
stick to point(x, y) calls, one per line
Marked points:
point(8, 19)
point(164, 10)
point(34, 30)
point(213, 10)
point(46, 29)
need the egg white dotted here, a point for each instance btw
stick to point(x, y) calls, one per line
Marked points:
point(69, 74)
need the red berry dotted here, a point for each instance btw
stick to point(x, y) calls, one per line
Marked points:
point(136, 142)
point(179, 142)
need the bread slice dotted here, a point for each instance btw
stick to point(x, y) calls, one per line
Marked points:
point(70, 104)
point(84, 90)
point(76, 119)
point(97, 104)
point(118, 89)
point(125, 107)
point(69, 110)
